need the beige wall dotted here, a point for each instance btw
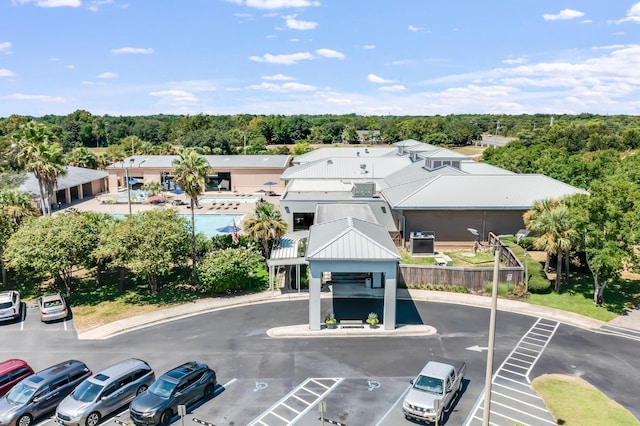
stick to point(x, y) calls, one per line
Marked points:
point(242, 180)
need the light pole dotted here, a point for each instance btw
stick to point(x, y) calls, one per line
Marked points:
point(126, 174)
point(492, 328)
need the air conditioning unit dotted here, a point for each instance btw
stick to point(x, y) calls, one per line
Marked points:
point(422, 242)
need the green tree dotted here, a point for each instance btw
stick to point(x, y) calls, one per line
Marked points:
point(55, 245)
point(227, 269)
point(15, 208)
point(82, 157)
point(265, 226)
point(39, 154)
point(190, 171)
point(161, 243)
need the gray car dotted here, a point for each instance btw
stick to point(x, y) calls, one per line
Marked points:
point(105, 392)
point(52, 307)
point(40, 393)
point(183, 385)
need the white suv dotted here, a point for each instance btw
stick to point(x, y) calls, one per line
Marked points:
point(9, 305)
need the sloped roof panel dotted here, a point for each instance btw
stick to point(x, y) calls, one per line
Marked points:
point(470, 192)
point(350, 239)
point(215, 161)
point(346, 168)
point(74, 176)
point(336, 152)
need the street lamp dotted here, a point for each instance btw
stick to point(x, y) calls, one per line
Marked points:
point(492, 326)
point(126, 174)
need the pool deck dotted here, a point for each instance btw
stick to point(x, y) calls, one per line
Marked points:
point(95, 205)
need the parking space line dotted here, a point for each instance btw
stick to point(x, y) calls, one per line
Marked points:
point(400, 398)
point(528, 398)
point(326, 385)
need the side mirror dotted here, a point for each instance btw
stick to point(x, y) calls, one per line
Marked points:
point(36, 399)
point(411, 381)
point(178, 393)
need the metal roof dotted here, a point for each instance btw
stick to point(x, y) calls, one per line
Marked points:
point(470, 192)
point(349, 238)
point(336, 152)
point(287, 247)
point(331, 212)
point(74, 176)
point(347, 168)
point(215, 161)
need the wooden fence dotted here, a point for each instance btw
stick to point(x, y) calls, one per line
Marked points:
point(471, 278)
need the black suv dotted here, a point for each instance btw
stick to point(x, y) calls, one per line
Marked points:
point(183, 385)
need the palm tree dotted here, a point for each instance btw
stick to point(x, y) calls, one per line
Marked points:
point(190, 171)
point(552, 223)
point(39, 154)
point(265, 226)
point(15, 208)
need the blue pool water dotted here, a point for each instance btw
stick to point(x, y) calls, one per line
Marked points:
point(228, 200)
point(207, 224)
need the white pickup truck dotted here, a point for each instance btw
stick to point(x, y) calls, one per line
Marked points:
point(440, 380)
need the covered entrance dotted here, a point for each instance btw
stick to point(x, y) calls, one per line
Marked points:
point(352, 252)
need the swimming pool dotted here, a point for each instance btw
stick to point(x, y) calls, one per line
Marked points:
point(207, 224)
point(228, 200)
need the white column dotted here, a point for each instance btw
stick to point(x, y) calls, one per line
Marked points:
point(314, 303)
point(390, 302)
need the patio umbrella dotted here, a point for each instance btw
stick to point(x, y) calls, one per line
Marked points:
point(155, 198)
point(270, 183)
point(133, 181)
point(229, 229)
point(178, 191)
point(261, 191)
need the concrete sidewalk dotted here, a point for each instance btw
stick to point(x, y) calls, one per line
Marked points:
point(631, 321)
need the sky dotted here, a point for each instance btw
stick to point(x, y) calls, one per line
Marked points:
point(368, 57)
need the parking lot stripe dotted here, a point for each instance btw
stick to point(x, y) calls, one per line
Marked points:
point(519, 420)
point(515, 390)
point(536, 407)
point(331, 384)
point(400, 398)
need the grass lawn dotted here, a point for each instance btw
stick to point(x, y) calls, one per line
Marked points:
point(573, 401)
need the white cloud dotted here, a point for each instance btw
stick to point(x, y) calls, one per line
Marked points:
point(563, 15)
point(296, 24)
point(37, 98)
point(514, 61)
point(175, 96)
point(415, 29)
point(5, 47)
point(108, 75)
point(70, 67)
point(277, 77)
point(93, 83)
point(51, 3)
point(369, 46)
point(6, 73)
point(633, 14)
point(140, 50)
point(378, 80)
point(329, 53)
point(586, 21)
point(393, 88)
point(95, 4)
point(276, 4)
point(283, 88)
point(289, 59)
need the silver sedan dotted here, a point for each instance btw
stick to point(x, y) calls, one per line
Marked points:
point(52, 307)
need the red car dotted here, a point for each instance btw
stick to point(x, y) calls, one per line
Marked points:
point(11, 372)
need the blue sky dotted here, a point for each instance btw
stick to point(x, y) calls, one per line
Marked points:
point(370, 57)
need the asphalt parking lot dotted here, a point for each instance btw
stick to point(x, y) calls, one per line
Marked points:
point(361, 380)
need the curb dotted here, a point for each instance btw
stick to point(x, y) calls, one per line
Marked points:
point(214, 304)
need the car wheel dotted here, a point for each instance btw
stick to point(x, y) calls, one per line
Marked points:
point(93, 419)
point(165, 418)
point(208, 392)
point(141, 389)
point(24, 420)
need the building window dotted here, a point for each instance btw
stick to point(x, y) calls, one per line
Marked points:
point(302, 221)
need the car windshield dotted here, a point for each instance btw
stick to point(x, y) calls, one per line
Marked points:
point(86, 392)
point(6, 305)
point(52, 303)
point(428, 384)
point(20, 394)
point(162, 388)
